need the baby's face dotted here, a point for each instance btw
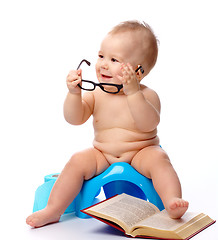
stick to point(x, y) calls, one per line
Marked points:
point(116, 49)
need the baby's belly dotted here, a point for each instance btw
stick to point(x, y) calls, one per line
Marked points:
point(120, 145)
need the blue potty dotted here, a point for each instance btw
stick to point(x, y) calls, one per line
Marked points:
point(118, 178)
point(42, 194)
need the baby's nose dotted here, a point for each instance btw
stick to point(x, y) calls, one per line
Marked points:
point(104, 65)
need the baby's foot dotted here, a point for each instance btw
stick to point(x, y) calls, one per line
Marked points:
point(177, 207)
point(42, 217)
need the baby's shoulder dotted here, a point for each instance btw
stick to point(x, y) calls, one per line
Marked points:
point(148, 91)
point(151, 96)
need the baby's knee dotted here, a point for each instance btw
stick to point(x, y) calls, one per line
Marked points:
point(162, 155)
point(78, 161)
point(160, 159)
point(74, 160)
point(149, 159)
point(83, 165)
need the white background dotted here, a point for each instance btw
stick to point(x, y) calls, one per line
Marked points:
point(42, 40)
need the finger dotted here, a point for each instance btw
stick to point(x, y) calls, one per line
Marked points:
point(131, 68)
point(124, 76)
point(127, 70)
point(121, 79)
point(73, 77)
point(79, 72)
point(128, 73)
point(124, 69)
point(74, 83)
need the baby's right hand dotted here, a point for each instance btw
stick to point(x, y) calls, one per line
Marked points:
point(73, 79)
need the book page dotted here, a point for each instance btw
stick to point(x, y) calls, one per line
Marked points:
point(164, 222)
point(161, 225)
point(127, 209)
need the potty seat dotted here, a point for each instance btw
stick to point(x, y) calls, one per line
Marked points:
point(119, 178)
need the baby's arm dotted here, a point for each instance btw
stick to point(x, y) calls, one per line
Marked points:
point(77, 109)
point(145, 109)
point(144, 104)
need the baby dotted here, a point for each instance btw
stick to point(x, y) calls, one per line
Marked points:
point(125, 123)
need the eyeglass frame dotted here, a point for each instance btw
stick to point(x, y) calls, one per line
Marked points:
point(101, 85)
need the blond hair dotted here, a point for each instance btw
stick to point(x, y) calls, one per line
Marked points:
point(149, 41)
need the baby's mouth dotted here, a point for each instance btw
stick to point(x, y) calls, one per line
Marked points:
point(105, 77)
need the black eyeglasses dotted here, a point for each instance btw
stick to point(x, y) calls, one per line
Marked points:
point(106, 87)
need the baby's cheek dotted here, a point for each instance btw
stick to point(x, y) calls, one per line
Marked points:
point(98, 75)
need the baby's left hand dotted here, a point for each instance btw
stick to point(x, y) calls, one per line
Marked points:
point(129, 79)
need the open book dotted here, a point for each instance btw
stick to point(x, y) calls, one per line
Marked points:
point(139, 218)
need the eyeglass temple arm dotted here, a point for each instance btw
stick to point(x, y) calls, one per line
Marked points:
point(88, 63)
point(140, 67)
point(84, 60)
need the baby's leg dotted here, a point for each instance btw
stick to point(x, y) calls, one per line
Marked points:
point(82, 166)
point(154, 163)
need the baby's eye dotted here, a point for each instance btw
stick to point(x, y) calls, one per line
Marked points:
point(100, 56)
point(114, 60)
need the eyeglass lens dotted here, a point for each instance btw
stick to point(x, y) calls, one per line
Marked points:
point(107, 87)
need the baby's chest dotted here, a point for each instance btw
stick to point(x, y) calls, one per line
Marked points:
point(113, 113)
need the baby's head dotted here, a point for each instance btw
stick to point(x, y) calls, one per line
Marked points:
point(129, 42)
point(142, 42)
